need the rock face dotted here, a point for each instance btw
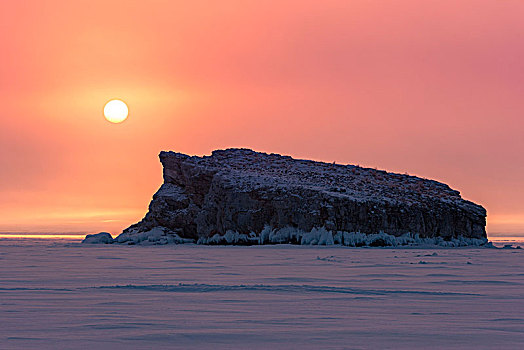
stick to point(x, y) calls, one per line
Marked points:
point(246, 194)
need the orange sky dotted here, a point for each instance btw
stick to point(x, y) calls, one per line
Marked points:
point(432, 88)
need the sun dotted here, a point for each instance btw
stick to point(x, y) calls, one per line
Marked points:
point(116, 111)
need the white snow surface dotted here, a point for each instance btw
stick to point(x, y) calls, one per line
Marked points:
point(67, 295)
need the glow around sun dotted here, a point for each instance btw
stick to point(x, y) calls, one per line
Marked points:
point(116, 111)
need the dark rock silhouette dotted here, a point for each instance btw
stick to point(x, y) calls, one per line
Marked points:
point(243, 192)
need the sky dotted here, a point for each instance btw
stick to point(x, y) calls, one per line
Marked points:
point(431, 88)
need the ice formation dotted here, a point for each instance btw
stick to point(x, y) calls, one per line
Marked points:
point(99, 238)
point(291, 235)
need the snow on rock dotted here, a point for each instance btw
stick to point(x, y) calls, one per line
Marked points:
point(99, 238)
point(239, 196)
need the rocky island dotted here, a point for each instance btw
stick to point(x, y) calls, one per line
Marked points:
point(239, 196)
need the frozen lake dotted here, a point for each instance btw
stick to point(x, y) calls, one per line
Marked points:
point(61, 294)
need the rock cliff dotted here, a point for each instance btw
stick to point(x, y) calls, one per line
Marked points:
point(245, 197)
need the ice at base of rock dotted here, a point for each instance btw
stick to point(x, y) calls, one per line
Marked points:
point(290, 235)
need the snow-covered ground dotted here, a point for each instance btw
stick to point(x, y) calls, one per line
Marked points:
point(59, 294)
